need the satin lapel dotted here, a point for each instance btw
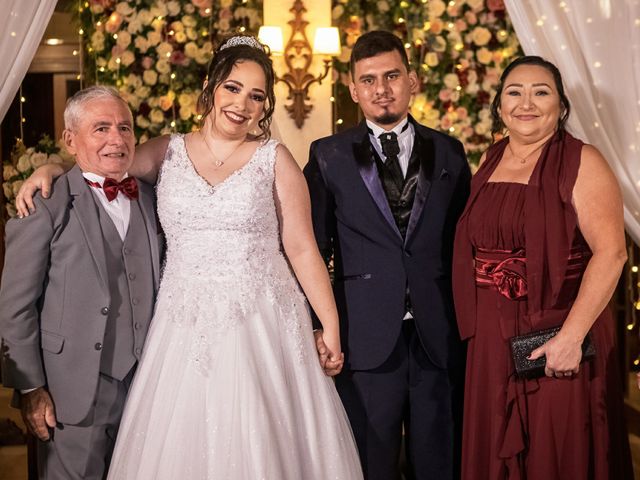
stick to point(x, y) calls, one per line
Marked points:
point(424, 149)
point(145, 200)
point(369, 173)
point(83, 206)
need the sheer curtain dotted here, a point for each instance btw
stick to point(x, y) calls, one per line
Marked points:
point(22, 24)
point(596, 46)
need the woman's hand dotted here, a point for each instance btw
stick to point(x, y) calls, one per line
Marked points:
point(40, 179)
point(329, 352)
point(563, 355)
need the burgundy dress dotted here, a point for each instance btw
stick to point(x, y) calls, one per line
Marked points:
point(541, 429)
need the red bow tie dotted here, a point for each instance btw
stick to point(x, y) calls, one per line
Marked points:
point(111, 187)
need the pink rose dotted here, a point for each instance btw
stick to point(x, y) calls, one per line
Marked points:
point(112, 25)
point(202, 4)
point(495, 5)
point(147, 63)
point(178, 58)
point(444, 95)
point(225, 14)
point(117, 51)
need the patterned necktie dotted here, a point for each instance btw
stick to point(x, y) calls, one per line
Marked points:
point(391, 149)
point(111, 187)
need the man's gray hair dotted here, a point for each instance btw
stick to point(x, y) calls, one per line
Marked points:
point(74, 108)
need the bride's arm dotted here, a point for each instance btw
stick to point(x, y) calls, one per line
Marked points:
point(146, 165)
point(294, 214)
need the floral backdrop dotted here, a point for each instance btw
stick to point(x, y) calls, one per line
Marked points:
point(459, 49)
point(155, 52)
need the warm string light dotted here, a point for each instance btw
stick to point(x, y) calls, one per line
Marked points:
point(633, 294)
point(22, 119)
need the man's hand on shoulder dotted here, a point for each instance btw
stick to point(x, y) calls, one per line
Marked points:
point(38, 412)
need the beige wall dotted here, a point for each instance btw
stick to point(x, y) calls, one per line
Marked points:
point(319, 122)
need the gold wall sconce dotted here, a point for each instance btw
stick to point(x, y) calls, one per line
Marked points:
point(298, 55)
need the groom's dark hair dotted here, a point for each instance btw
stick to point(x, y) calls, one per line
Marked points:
point(374, 43)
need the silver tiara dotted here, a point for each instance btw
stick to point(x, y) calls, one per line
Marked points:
point(242, 40)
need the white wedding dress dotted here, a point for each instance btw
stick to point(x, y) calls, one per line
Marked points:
point(229, 386)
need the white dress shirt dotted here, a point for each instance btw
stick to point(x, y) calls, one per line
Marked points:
point(405, 141)
point(119, 209)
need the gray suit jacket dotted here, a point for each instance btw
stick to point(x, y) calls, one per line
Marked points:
point(54, 293)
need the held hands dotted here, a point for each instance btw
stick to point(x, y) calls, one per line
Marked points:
point(563, 356)
point(38, 412)
point(40, 179)
point(329, 353)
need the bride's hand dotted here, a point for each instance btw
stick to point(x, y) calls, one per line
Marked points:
point(335, 357)
point(40, 179)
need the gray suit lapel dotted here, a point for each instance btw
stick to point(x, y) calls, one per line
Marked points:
point(83, 206)
point(145, 200)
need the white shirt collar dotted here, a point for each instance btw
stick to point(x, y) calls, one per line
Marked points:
point(376, 130)
point(94, 177)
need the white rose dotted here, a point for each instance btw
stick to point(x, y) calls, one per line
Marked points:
point(16, 186)
point(142, 122)
point(189, 21)
point(383, 6)
point(150, 77)
point(484, 56)
point(141, 43)
point(181, 37)
point(23, 163)
point(124, 39)
point(173, 7)
point(134, 81)
point(163, 66)
point(185, 99)
point(436, 8)
point(9, 171)
point(337, 12)
point(123, 8)
point(156, 116)
point(159, 10)
point(145, 17)
point(135, 25)
point(189, 8)
point(431, 59)
point(191, 33)
point(476, 5)
point(55, 158)
point(185, 113)
point(191, 50)
point(481, 36)
point(451, 80)
point(127, 58)
point(164, 50)
point(7, 190)
point(143, 91)
point(154, 38)
point(226, 3)
point(38, 159)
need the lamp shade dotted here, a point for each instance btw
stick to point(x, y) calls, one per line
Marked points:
point(327, 41)
point(271, 37)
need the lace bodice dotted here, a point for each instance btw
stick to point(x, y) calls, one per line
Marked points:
point(223, 244)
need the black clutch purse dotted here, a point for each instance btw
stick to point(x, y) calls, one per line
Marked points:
point(523, 345)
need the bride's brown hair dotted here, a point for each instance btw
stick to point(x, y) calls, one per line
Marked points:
point(234, 50)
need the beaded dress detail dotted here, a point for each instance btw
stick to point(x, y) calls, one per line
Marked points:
point(229, 385)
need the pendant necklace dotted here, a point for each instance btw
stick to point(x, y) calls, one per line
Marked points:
point(523, 159)
point(217, 163)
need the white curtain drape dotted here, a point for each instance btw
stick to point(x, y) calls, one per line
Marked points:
point(22, 24)
point(596, 46)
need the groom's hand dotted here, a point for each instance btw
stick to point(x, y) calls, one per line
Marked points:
point(38, 412)
point(323, 351)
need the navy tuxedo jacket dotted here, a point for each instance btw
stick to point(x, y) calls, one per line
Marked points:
point(372, 262)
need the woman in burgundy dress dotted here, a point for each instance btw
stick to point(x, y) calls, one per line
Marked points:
point(540, 244)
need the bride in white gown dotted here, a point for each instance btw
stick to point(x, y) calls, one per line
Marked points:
point(230, 385)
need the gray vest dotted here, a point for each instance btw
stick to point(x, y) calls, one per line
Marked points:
point(130, 276)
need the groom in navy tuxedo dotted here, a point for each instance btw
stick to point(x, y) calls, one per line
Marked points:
point(385, 197)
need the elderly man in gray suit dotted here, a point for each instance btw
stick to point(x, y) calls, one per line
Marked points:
point(78, 290)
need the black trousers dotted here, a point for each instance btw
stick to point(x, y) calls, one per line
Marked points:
point(406, 394)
